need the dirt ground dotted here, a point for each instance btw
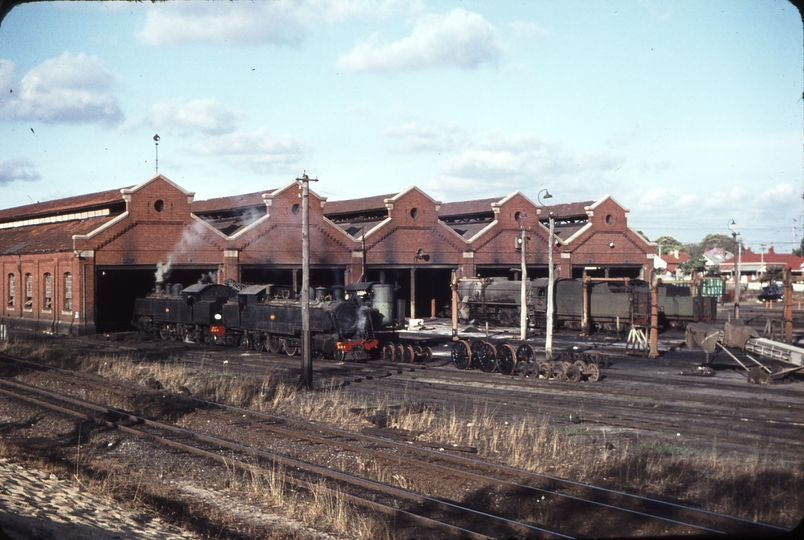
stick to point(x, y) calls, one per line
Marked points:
point(39, 505)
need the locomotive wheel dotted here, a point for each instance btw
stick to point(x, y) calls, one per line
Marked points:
point(488, 362)
point(274, 344)
point(388, 352)
point(290, 350)
point(525, 353)
point(580, 366)
point(568, 369)
point(399, 352)
point(164, 334)
point(427, 353)
point(245, 342)
point(558, 370)
point(592, 372)
point(478, 348)
point(572, 374)
point(545, 370)
point(339, 355)
point(461, 355)
point(505, 359)
point(417, 350)
point(408, 354)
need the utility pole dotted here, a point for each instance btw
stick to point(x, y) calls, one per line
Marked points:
point(653, 350)
point(523, 294)
point(737, 283)
point(306, 380)
point(548, 340)
point(739, 245)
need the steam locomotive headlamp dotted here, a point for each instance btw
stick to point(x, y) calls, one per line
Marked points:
point(218, 316)
point(273, 317)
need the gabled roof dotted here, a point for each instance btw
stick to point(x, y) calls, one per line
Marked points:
point(567, 210)
point(60, 206)
point(463, 208)
point(769, 259)
point(234, 202)
point(134, 189)
point(50, 237)
point(356, 206)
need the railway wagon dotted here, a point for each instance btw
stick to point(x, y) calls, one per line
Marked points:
point(182, 313)
point(609, 303)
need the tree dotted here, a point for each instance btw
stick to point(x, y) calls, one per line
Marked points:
point(772, 273)
point(723, 241)
point(696, 263)
point(668, 244)
point(800, 251)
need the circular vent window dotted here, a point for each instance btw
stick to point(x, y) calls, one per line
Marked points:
point(159, 205)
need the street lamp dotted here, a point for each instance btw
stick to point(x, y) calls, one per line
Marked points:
point(548, 340)
point(156, 145)
point(739, 244)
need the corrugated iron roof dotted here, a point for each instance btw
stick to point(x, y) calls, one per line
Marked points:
point(566, 210)
point(233, 202)
point(355, 206)
point(50, 237)
point(60, 206)
point(461, 208)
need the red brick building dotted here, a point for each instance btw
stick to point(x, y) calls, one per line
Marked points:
point(76, 265)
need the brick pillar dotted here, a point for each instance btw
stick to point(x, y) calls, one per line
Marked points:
point(231, 265)
point(468, 267)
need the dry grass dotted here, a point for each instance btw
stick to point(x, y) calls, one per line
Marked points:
point(754, 486)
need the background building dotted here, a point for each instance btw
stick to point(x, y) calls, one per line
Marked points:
point(76, 265)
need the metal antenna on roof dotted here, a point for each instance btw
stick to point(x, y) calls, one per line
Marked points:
point(156, 144)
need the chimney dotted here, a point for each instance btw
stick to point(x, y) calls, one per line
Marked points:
point(770, 251)
point(675, 253)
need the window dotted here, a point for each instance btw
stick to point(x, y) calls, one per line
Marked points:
point(48, 303)
point(11, 291)
point(68, 292)
point(28, 291)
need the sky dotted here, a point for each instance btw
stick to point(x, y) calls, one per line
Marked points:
point(687, 113)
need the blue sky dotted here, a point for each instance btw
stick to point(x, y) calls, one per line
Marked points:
point(688, 113)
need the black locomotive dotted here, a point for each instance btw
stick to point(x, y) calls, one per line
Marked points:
point(263, 317)
point(610, 303)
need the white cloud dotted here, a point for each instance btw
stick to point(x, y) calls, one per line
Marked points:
point(414, 137)
point(625, 136)
point(208, 116)
point(249, 23)
point(70, 89)
point(529, 29)
point(259, 151)
point(17, 170)
point(497, 165)
point(459, 39)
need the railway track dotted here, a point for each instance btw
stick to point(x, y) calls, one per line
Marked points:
point(547, 495)
point(712, 407)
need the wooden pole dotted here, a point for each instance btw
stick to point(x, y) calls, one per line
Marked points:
point(523, 308)
point(454, 287)
point(653, 351)
point(788, 307)
point(585, 305)
point(548, 341)
point(306, 380)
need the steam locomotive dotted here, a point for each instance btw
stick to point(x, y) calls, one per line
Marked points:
point(610, 303)
point(263, 317)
